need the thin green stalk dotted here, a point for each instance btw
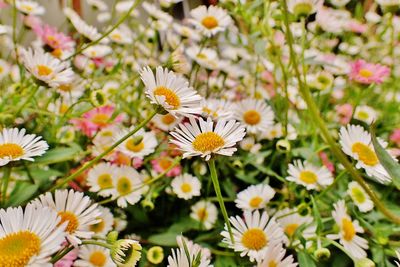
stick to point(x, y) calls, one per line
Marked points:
point(60, 255)
point(214, 178)
point(6, 179)
point(21, 107)
point(97, 243)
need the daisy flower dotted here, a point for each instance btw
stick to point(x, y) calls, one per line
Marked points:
point(139, 145)
point(367, 73)
point(255, 115)
point(217, 108)
point(187, 253)
point(170, 91)
point(4, 69)
point(94, 256)
point(211, 20)
point(365, 114)
point(205, 57)
point(97, 51)
point(201, 138)
point(254, 197)
point(275, 257)
point(104, 224)
point(347, 236)
point(308, 175)
point(126, 252)
point(205, 212)
point(30, 237)
point(357, 143)
point(164, 162)
point(16, 145)
point(166, 122)
point(53, 38)
point(82, 27)
point(303, 7)
point(250, 144)
point(186, 186)
point(30, 7)
point(253, 235)
point(74, 208)
point(360, 197)
point(100, 178)
point(121, 35)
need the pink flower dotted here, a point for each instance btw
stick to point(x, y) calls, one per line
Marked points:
point(68, 259)
point(367, 73)
point(51, 37)
point(395, 137)
point(345, 112)
point(163, 163)
point(325, 160)
point(356, 26)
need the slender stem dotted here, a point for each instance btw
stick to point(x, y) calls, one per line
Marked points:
point(214, 178)
point(60, 255)
point(21, 107)
point(99, 157)
point(97, 243)
point(316, 118)
point(6, 179)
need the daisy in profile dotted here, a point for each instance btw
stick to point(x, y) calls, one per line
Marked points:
point(367, 73)
point(347, 235)
point(308, 175)
point(205, 212)
point(187, 253)
point(100, 178)
point(186, 186)
point(275, 257)
point(202, 138)
point(15, 145)
point(357, 143)
point(139, 145)
point(254, 197)
point(126, 252)
point(104, 224)
point(75, 209)
point(45, 68)
point(30, 7)
point(360, 197)
point(253, 235)
point(365, 114)
point(255, 115)
point(211, 20)
point(171, 91)
point(94, 256)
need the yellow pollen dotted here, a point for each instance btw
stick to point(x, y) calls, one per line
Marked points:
point(104, 181)
point(202, 214)
point(98, 227)
point(254, 239)
point(44, 70)
point(358, 195)
point(124, 186)
point(57, 53)
point(18, 248)
point(186, 188)
point(73, 223)
point(291, 228)
point(308, 177)
point(98, 259)
point(208, 142)
point(65, 87)
point(130, 145)
point(252, 117)
point(363, 115)
point(11, 150)
point(168, 119)
point(210, 22)
point(365, 73)
point(255, 202)
point(272, 264)
point(348, 229)
point(170, 97)
point(365, 154)
point(100, 119)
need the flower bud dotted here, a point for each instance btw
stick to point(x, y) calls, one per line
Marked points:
point(155, 255)
point(147, 204)
point(283, 146)
point(126, 252)
point(97, 98)
point(364, 263)
point(322, 254)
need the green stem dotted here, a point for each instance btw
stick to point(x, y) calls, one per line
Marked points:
point(6, 179)
point(316, 118)
point(21, 107)
point(214, 178)
point(60, 255)
point(97, 243)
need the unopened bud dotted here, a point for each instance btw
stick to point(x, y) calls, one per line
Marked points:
point(322, 254)
point(283, 146)
point(155, 255)
point(97, 98)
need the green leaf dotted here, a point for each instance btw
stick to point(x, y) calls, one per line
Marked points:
point(305, 259)
point(164, 239)
point(22, 192)
point(59, 154)
point(224, 261)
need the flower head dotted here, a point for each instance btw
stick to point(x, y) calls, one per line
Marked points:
point(367, 73)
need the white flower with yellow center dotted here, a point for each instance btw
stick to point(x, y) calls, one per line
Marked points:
point(44, 67)
point(275, 257)
point(357, 143)
point(202, 138)
point(255, 115)
point(308, 175)
point(253, 235)
point(205, 57)
point(365, 114)
point(205, 212)
point(186, 186)
point(249, 144)
point(254, 197)
point(303, 7)
point(217, 108)
point(30, 7)
point(29, 238)
point(104, 224)
point(97, 51)
point(4, 69)
point(170, 91)
point(100, 178)
point(347, 236)
point(360, 197)
point(74, 208)
point(121, 35)
point(187, 253)
point(94, 256)
point(211, 20)
point(16, 145)
point(166, 122)
point(139, 145)
point(104, 139)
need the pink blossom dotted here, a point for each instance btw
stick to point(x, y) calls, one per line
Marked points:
point(68, 259)
point(345, 112)
point(325, 160)
point(51, 37)
point(163, 163)
point(395, 137)
point(356, 26)
point(367, 73)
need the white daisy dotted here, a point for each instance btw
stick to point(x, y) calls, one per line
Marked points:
point(100, 178)
point(254, 114)
point(275, 257)
point(360, 197)
point(29, 238)
point(211, 20)
point(170, 91)
point(205, 212)
point(205, 57)
point(16, 145)
point(74, 208)
point(253, 235)
point(187, 253)
point(97, 51)
point(357, 143)
point(166, 122)
point(4, 69)
point(249, 144)
point(30, 7)
point(82, 27)
point(139, 145)
point(303, 7)
point(365, 114)
point(186, 32)
point(94, 256)
point(186, 186)
point(126, 252)
point(121, 35)
point(308, 175)
point(217, 108)
point(104, 224)
point(201, 138)
point(347, 236)
point(157, 14)
point(254, 197)
point(103, 140)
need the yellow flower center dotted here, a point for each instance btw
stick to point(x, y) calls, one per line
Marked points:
point(254, 239)
point(18, 248)
point(308, 177)
point(73, 223)
point(210, 22)
point(104, 181)
point(202, 214)
point(291, 228)
point(27, 8)
point(201, 56)
point(44, 70)
point(165, 163)
point(358, 195)
point(252, 117)
point(363, 115)
point(63, 108)
point(98, 258)
point(131, 146)
point(186, 188)
point(348, 229)
point(208, 142)
point(11, 150)
point(116, 36)
point(365, 154)
point(57, 53)
point(1, 69)
point(65, 87)
point(365, 73)
point(168, 119)
point(100, 118)
point(255, 202)
point(272, 264)
point(170, 97)
point(124, 186)
point(98, 227)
